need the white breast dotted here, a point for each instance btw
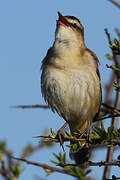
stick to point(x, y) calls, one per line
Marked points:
point(73, 94)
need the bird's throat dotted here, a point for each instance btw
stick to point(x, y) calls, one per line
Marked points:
point(66, 48)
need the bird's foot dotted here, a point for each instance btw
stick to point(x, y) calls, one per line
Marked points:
point(88, 137)
point(83, 134)
point(86, 134)
point(60, 135)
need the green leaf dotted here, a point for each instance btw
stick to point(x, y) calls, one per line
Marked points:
point(102, 127)
point(64, 158)
point(16, 170)
point(88, 171)
point(77, 173)
point(116, 41)
point(48, 172)
point(3, 146)
point(69, 136)
point(52, 132)
point(109, 57)
point(94, 136)
point(69, 145)
point(100, 131)
point(110, 145)
point(74, 146)
point(1, 156)
point(54, 162)
point(116, 85)
point(110, 129)
point(56, 156)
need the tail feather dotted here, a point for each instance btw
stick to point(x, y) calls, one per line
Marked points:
point(80, 156)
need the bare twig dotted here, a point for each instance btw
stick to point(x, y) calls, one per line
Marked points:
point(101, 163)
point(107, 117)
point(116, 3)
point(118, 32)
point(107, 106)
point(107, 109)
point(115, 178)
point(108, 36)
point(31, 106)
point(111, 109)
point(109, 88)
point(113, 67)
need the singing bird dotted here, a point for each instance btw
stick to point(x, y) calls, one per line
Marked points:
point(70, 80)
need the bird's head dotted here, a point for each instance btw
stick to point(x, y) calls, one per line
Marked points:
point(69, 30)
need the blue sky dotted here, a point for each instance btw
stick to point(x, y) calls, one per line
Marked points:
point(26, 32)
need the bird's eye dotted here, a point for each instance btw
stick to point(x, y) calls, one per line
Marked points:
point(75, 25)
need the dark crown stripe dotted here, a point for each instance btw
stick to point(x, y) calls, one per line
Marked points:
point(73, 18)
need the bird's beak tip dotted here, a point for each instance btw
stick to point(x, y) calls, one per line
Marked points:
point(62, 19)
point(59, 14)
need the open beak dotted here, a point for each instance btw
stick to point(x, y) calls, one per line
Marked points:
point(62, 20)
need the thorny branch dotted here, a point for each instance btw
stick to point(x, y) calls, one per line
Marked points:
point(45, 166)
point(118, 32)
point(101, 163)
point(10, 170)
point(108, 109)
point(108, 88)
point(110, 84)
point(56, 140)
point(53, 169)
point(113, 111)
point(5, 173)
point(113, 68)
point(108, 117)
point(31, 106)
point(116, 105)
